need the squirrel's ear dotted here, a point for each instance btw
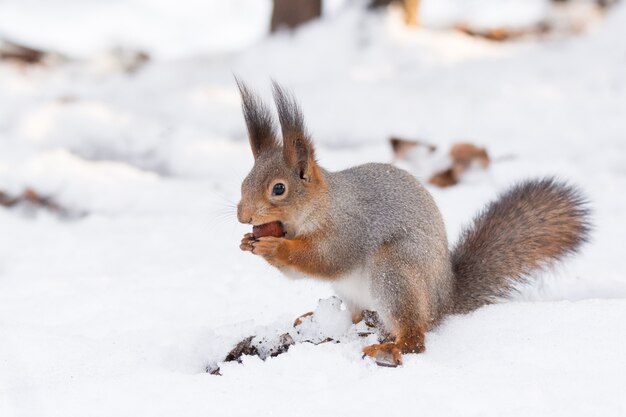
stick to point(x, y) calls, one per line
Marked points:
point(298, 149)
point(258, 120)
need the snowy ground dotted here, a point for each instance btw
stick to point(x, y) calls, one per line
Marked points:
point(118, 313)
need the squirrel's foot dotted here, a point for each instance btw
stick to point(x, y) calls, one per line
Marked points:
point(384, 354)
point(246, 242)
point(267, 246)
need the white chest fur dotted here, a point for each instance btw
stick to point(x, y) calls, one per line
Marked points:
point(355, 289)
point(292, 273)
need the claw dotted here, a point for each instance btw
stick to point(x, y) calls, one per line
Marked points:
point(247, 242)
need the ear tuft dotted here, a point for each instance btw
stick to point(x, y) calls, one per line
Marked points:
point(259, 121)
point(298, 149)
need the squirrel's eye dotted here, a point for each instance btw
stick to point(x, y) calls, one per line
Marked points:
point(279, 189)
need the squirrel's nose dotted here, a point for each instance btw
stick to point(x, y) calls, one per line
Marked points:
point(242, 216)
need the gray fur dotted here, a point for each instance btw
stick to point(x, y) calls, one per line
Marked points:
point(376, 206)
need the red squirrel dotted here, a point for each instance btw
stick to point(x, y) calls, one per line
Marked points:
point(375, 233)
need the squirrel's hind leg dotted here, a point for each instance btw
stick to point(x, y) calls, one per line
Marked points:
point(399, 285)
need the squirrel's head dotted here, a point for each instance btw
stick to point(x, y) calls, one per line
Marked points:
point(285, 183)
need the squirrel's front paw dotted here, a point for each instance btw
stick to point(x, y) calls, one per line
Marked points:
point(267, 246)
point(246, 242)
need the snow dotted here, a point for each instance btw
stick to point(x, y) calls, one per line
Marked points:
point(120, 312)
point(169, 29)
point(164, 28)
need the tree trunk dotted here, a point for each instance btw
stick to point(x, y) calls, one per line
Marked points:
point(292, 13)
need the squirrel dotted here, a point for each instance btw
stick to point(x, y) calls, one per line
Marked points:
point(375, 233)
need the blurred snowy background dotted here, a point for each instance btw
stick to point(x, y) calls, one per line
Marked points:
point(120, 274)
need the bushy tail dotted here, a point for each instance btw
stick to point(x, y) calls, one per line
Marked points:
point(530, 226)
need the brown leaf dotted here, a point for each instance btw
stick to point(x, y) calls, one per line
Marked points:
point(500, 34)
point(244, 347)
point(32, 199)
point(6, 200)
point(298, 321)
point(284, 342)
point(401, 147)
point(463, 155)
point(443, 179)
point(22, 54)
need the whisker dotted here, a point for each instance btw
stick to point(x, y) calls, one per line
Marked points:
point(224, 199)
